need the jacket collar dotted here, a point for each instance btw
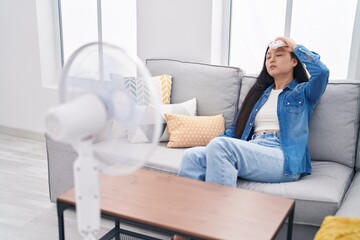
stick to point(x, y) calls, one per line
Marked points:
point(291, 86)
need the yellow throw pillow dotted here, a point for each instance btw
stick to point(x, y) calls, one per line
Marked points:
point(163, 86)
point(339, 228)
point(191, 131)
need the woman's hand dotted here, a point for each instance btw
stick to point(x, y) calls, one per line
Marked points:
point(290, 44)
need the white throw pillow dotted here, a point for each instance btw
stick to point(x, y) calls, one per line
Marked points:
point(142, 130)
point(184, 108)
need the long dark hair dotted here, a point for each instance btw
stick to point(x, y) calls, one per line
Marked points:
point(264, 80)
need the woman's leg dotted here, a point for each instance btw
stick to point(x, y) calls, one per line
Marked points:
point(193, 164)
point(230, 158)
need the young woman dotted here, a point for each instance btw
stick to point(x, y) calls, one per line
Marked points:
point(268, 141)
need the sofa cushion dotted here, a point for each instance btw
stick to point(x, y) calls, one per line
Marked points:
point(331, 138)
point(139, 90)
point(140, 129)
point(192, 80)
point(335, 124)
point(317, 195)
point(246, 83)
point(192, 131)
point(165, 159)
point(350, 206)
point(115, 154)
point(186, 108)
point(357, 164)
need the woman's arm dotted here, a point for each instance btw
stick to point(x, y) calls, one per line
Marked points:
point(319, 73)
point(230, 132)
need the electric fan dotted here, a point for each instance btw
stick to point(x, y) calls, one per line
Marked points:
point(105, 96)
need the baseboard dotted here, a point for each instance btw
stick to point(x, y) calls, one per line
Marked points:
point(23, 133)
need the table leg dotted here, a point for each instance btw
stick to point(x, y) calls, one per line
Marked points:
point(60, 212)
point(290, 223)
point(117, 226)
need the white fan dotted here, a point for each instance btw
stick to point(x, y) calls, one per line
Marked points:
point(98, 112)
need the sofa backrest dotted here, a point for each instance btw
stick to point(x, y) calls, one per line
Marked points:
point(247, 82)
point(357, 164)
point(216, 88)
point(334, 126)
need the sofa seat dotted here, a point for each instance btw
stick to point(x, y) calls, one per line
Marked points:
point(317, 195)
point(158, 157)
point(165, 159)
point(350, 205)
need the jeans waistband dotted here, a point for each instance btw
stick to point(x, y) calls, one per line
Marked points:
point(266, 135)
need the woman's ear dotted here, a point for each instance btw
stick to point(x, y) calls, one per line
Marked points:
point(295, 61)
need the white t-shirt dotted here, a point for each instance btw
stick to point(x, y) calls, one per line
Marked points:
point(266, 118)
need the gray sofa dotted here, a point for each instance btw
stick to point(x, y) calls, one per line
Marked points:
point(333, 188)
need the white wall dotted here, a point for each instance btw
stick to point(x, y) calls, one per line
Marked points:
point(177, 29)
point(23, 100)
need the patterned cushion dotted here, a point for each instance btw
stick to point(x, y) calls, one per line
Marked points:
point(142, 130)
point(190, 131)
point(139, 91)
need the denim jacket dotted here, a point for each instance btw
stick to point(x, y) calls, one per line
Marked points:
point(296, 104)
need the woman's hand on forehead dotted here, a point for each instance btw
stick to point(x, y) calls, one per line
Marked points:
point(290, 44)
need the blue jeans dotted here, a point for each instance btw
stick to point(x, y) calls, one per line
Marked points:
point(225, 159)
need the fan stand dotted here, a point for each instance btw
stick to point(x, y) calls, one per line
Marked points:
point(86, 180)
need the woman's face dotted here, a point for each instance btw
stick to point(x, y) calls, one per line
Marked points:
point(279, 62)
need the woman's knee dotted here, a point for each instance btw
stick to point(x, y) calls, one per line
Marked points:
point(189, 154)
point(193, 155)
point(192, 163)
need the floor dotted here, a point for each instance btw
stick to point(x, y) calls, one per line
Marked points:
point(25, 208)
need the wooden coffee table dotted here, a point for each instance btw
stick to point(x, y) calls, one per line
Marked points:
point(175, 205)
